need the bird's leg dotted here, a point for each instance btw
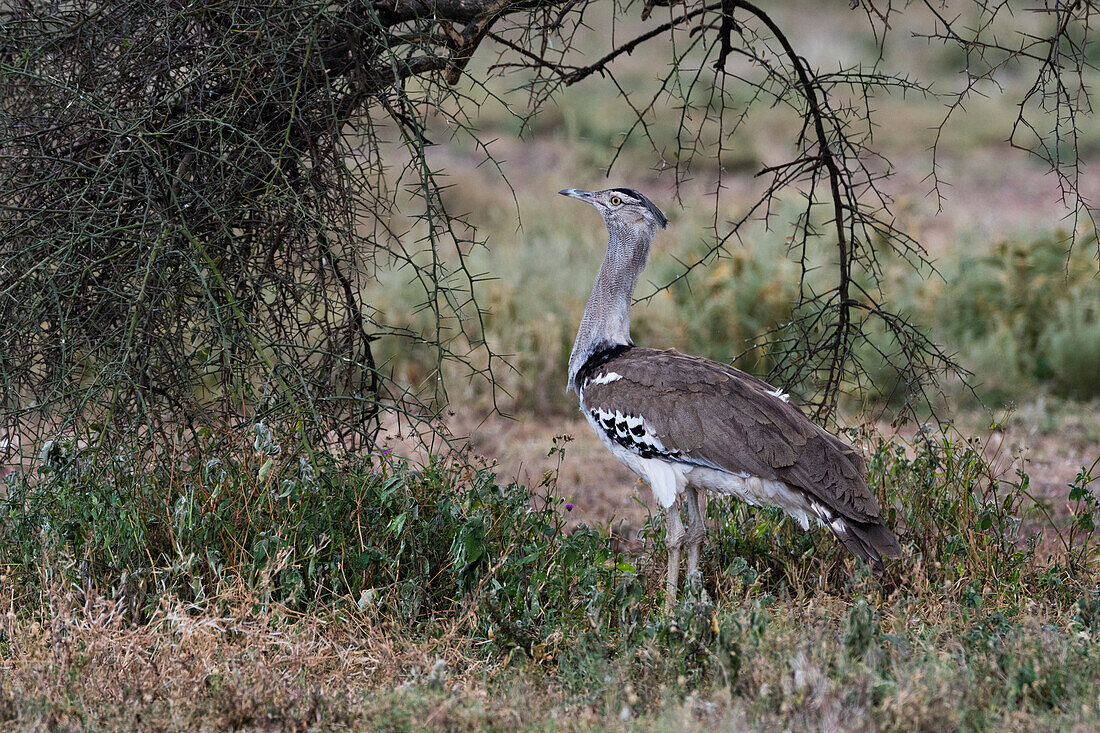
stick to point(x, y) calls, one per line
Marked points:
point(673, 539)
point(696, 531)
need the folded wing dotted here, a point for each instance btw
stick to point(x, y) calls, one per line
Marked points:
point(720, 417)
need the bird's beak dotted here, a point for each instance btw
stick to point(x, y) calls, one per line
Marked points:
point(575, 193)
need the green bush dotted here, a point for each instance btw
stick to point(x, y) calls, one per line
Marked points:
point(1027, 313)
point(1071, 343)
point(415, 542)
point(958, 520)
point(450, 560)
point(426, 542)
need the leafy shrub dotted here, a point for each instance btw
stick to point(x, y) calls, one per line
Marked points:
point(416, 542)
point(444, 550)
point(1071, 342)
point(959, 520)
point(1028, 312)
point(953, 511)
point(469, 572)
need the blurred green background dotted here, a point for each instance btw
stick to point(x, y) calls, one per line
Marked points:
point(1015, 294)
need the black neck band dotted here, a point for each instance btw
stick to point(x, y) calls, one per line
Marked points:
point(598, 358)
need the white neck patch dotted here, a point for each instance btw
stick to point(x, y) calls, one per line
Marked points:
point(606, 378)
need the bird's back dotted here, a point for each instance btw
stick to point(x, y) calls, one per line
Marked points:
point(705, 413)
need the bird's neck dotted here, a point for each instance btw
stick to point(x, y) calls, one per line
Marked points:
point(606, 321)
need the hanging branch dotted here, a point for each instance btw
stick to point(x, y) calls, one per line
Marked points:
point(815, 352)
point(196, 198)
point(189, 231)
point(996, 44)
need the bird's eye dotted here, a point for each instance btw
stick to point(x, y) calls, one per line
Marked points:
point(615, 201)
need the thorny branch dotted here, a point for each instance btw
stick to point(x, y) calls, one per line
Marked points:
point(1050, 42)
point(836, 167)
point(195, 197)
point(816, 351)
point(190, 228)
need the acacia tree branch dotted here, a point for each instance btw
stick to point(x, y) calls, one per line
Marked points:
point(458, 11)
point(221, 132)
point(576, 75)
point(829, 156)
point(840, 344)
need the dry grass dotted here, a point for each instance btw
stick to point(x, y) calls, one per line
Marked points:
point(930, 664)
point(973, 629)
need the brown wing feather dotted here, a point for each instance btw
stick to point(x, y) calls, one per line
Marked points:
point(720, 416)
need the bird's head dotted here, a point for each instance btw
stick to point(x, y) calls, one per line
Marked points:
point(623, 208)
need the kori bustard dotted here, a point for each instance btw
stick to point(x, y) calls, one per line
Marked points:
point(686, 424)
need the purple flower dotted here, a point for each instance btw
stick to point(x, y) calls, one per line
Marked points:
point(568, 507)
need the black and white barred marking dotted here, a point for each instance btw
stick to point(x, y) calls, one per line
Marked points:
point(631, 432)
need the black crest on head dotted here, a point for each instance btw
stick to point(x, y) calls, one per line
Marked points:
point(661, 218)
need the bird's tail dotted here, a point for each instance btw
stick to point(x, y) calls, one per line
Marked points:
point(869, 541)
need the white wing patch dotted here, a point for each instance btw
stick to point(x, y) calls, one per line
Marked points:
point(781, 395)
point(631, 432)
point(606, 378)
point(638, 447)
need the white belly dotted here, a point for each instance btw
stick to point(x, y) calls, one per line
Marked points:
point(754, 490)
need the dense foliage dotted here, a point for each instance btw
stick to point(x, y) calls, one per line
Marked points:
point(446, 558)
point(424, 544)
point(193, 197)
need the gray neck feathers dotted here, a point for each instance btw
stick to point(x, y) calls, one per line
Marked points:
point(606, 321)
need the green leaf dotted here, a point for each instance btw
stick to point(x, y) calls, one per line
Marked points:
point(397, 524)
point(264, 470)
point(474, 548)
point(389, 487)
